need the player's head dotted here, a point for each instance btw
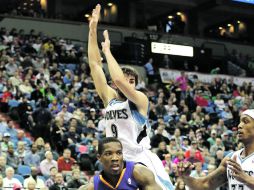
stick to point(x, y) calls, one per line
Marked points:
point(130, 74)
point(110, 155)
point(246, 126)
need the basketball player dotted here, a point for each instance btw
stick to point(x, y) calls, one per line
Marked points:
point(126, 108)
point(237, 168)
point(120, 174)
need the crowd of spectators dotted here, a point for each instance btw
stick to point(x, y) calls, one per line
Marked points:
point(46, 89)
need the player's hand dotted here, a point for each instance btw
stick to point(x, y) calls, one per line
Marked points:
point(95, 17)
point(184, 168)
point(106, 44)
point(237, 171)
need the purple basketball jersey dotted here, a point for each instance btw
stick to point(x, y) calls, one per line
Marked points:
point(126, 182)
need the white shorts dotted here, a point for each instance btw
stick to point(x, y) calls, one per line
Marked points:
point(153, 162)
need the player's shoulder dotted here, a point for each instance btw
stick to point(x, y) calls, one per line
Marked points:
point(233, 153)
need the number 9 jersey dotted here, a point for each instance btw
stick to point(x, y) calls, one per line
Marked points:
point(124, 122)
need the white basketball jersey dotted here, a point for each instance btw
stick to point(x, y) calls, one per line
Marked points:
point(247, 164)
point(125, 122)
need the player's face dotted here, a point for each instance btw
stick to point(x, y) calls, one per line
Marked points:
point(112, 158)
point(131, 80)
point(245, 129)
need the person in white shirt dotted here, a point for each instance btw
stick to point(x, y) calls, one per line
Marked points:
point(9, 182)
point(39, 183)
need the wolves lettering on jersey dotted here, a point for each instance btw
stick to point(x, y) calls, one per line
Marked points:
point(247, 165)
point(116, 114)
point(123, 121)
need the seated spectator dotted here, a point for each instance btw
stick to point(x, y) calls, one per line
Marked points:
point(179, 157)
point(50, 181)
point(20, 153)
point(172, 147)
point(9, 181)
point(194, 152)
point(21, 137)
point(180, 185)
point(6, 142)
point(47, 163)
point(70, 138)
point(58, 183)
point(32, 158)
point(198, 171)
point(65, 114)
point(76, 180)
point(162, 151)
point(65, 162)
point(39, 183)
point(31, 185)
point(46, 148)
point(12, 159)
point(217, 146)
point(159, 137)
point(3, 165)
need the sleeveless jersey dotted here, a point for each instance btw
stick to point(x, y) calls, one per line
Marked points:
point(123, 121)
point(126, 180)
point(247, 164)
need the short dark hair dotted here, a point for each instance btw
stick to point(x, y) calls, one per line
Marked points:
point(105, 141)
point(130, 72)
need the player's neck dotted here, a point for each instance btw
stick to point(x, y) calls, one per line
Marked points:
point(112, 179)
point(249, 149)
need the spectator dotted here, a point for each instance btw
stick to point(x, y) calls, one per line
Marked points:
point(50, 181)
point(150, 70)
point(162, 151)
point(59, 183)
point(32, 158)
point(3, 166)
point(47, 163)
point(198, 171)
point(76, 180)
point(12, 159)
point(39, 183)
point(158, 137)
point(65, 162)
point(9, 181)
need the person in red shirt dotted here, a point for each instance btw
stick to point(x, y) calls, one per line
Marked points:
point(65, 162)
point(194, 153)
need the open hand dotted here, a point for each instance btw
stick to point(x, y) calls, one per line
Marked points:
point(106, 44)
point(95, 17)
point(237, 171)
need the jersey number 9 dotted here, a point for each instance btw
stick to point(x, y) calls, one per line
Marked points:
point(114, 130)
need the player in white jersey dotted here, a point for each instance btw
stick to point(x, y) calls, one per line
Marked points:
point(236, 169)
point(126, 108)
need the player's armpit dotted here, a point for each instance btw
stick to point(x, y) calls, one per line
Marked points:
point(145, 178)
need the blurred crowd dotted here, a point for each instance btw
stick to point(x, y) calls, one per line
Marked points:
point(54, 118)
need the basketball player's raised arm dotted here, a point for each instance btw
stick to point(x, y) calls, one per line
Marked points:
point(215, 179)
point(116, 73)
point(105, 92)
point(145, 178)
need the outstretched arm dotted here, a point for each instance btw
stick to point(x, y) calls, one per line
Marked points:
point(145, 178)
point(105, 92)
point(215, 179)
point(117, 75)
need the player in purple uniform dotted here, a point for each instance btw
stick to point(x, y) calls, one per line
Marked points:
point(119, 174)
